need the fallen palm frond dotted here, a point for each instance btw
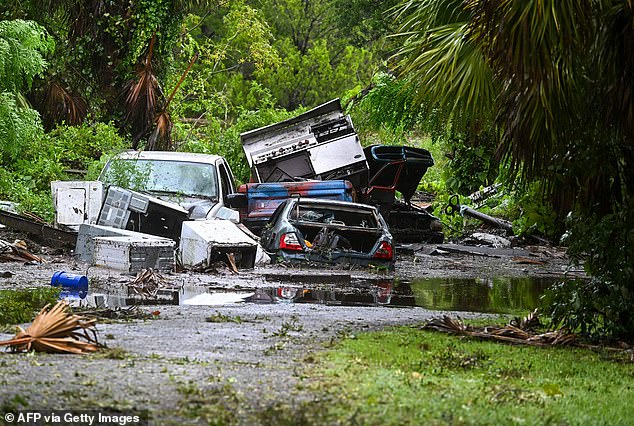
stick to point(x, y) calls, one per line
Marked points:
point(447, 325)
point(518, 332)
point(147, 283)
point(63, 106)
point(56, 330)
point(161, 137)
point(142, 97)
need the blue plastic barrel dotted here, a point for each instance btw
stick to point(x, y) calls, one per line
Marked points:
point(72, 285)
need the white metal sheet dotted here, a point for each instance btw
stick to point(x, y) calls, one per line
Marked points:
point(336, 154)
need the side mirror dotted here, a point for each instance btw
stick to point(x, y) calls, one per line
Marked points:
point(236, 201)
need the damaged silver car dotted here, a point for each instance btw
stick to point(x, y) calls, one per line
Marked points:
point(327, 231)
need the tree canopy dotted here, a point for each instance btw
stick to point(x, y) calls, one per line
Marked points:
point(555, 78)
point(23, 47)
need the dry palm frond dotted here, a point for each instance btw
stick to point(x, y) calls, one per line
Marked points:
point(517, 332)
point(16, 252)
point(61, 105)
point(142, 97)
point(447, 325)
point(147, 283)
point(510, 331)
point(558, 337)
point(530, 321)
point(161, 138)
point(56, 331)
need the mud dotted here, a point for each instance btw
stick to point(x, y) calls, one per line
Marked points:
point(246, 364)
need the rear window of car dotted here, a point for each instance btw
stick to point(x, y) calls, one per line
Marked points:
point(333, 215)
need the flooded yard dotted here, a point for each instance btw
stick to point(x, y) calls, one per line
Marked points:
point(248, 335)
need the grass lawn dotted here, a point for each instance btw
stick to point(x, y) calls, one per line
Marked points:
point(408, 376)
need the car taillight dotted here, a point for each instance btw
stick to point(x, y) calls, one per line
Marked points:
point(290, 242)
point(384, 251)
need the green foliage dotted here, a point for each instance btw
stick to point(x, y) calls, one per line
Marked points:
point(82, 147)
point(128, 174)
point(216, 139)
point(453, 224)
point(553, 81)
point(534, 214)
point(220, 318)
point(23, 45)
point(364, 22)
point(220, 83)
point(602, 305)
point(20, 306)
point(49, 157)
point(17, 125)
point(316, 75)
point(471, 161)
point(388, 104)
point(319, 60)
point(391, 111)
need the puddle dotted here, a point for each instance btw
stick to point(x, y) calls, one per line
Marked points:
point(497, 295)
point(183, 296)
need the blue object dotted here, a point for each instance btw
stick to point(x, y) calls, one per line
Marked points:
point(72, 285)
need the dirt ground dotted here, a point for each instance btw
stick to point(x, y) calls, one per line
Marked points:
point(246, 367)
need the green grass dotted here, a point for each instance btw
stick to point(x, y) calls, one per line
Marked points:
point(21, 306)
point(407, 376)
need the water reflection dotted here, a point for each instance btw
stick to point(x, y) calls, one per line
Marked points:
point(496, 295)
point(493, 295)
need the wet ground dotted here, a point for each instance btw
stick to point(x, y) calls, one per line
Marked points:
point(238, 344)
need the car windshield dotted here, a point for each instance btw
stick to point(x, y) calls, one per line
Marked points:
point(163, 177)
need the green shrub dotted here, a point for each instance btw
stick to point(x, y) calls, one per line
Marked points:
point(20, 306)
point(603, 305)
point(217, 139)
point(27, 180)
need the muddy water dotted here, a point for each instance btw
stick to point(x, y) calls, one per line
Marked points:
point(495, 295)
point(492, 295)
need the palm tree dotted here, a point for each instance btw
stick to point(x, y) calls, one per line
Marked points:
point(555, 76)
point(110, 59)
point(560, 89)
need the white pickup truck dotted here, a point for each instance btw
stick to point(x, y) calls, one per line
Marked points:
point(177, 185)
point(199, 183)
point(169, 195)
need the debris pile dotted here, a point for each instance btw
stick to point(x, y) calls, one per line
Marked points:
point(56, 330)
point(518, 332)
point(17, 252)
point(118, 313)
point(147, 284)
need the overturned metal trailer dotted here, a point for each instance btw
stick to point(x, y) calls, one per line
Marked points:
point(322, 145)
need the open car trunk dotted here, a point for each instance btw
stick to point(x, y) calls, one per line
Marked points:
point(337, 229)
point(338, 238)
